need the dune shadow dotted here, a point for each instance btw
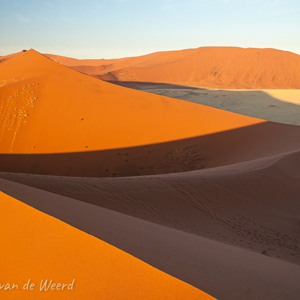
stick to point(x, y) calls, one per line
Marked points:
point(152, 85)
point(196, 153)
point(186, 256)
point(253, 103)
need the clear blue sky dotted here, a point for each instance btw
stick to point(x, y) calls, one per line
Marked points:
point(119, 28)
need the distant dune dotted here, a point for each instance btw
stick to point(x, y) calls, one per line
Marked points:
point(7, 57)
point(211, 67)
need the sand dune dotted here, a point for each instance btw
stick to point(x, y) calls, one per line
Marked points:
point(64, 254)
point(131, 132)
point(205, 195)
point(210, 67)
point(234, 200)
point(164, 219)
point(73, 62)
point(203, 152)
point(214, 67)
point(49, 108)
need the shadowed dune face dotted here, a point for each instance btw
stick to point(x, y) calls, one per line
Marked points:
point(214, 67)
point(204, 152)
point(274, 105)
point(251, 204)
point(65, 253)
point(47, 108)
point(162, 220)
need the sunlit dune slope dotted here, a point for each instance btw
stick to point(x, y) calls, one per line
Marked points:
point(38, 247)
point(213, 67)
point(46, 107)
point(74, 62)
point(7, 57)
point(228, 206)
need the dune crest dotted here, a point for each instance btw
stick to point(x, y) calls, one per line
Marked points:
point(7, 57)
point(57, 251)
point(211, 67)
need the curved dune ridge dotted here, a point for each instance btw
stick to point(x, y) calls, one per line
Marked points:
point(232, 231)
point(50, 249)
point(212, 67)
point(49, 108)
point(204, 152)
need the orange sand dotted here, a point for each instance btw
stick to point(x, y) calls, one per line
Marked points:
point(245, 170)
point(214, 67)
point(7, 57)
point(48, 108)
point(39, 247)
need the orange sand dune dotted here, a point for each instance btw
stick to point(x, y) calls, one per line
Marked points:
point(213, 67)
point(7, 57)
point(47, 108)
point(163, 220)
point(203, 152)
point(68, 61)
point(237, 180)
point(251, 204)
point(38, 247)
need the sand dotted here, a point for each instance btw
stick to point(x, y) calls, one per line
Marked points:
point(251, 82)
point(208, 228)
point(209, 67)
point(39, 247)
point(41, 96)
point(203, 152)
point(274, 105)
point(195, 198)
point(213, 67)
point(7, 57)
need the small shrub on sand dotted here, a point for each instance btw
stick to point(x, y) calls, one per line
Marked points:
point(265, 252)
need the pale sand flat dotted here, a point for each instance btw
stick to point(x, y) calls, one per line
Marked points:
point(275, 105)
